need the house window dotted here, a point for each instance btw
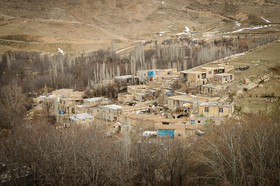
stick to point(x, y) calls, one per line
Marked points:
point(230, 77)
point(170, 102)
point(109, 118)
point(198, 76)
point(192, 122)
point(221, 110)
point(206, 109)
point(173, 102)
point(198, 121)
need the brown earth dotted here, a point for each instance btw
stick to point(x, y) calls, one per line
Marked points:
point(79, 26)
point(264, 61)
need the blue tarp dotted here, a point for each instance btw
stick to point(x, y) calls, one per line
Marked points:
point(151, 73)
point(61, 112)
point(170, 93)
point(166, 132)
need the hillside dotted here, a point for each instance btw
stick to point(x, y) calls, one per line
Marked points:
point(79, 26)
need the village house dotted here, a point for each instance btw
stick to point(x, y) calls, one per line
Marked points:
point(203, 75)
point(139, 121)
point(84, 109)
point(147, 75)
point(177, 128)
point(66, 105)
point(93, 102)
point(198, 120)
point(110, 112)
point(137, 89)
point(150, 75)
point(82, 119)
point(139, 93)
point(94, 110)
point(135, 109)
point(126, 80)
point(216, 109)
point(194, 78)
point(124, 97)
point(223, 78)
point(67, 99)
point(211, 89)
point(190, 102)
point(91, 105)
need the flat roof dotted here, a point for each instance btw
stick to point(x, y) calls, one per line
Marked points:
point(140, 94)
point(187, 96)
point(80, 105)
point(77, 117)
point(94, 99)
point(193, 72)
point(145, 117)
point(95, 108)
point(114, 107)
point(219, 104)
point(135, 108)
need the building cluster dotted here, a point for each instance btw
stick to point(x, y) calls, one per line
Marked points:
point(151, 107)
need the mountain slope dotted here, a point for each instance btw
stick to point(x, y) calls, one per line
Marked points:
point(97, 23)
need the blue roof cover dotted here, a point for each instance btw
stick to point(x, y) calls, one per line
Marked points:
point(150, 73)
point(166, 132)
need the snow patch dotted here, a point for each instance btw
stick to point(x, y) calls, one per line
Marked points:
point(60, 51)
point(185, 32)
point(251, 28)
point(200, 132)
point(149, 133)
point(266, 20)
point(237, 24)
point(187, 29)
point(121, 50)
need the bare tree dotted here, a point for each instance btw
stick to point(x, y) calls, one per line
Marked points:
point(12, 104)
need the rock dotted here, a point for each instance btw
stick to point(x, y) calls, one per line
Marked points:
point(239, 92)
point(250, 86)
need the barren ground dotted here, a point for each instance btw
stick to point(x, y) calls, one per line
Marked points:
point(84, 26)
